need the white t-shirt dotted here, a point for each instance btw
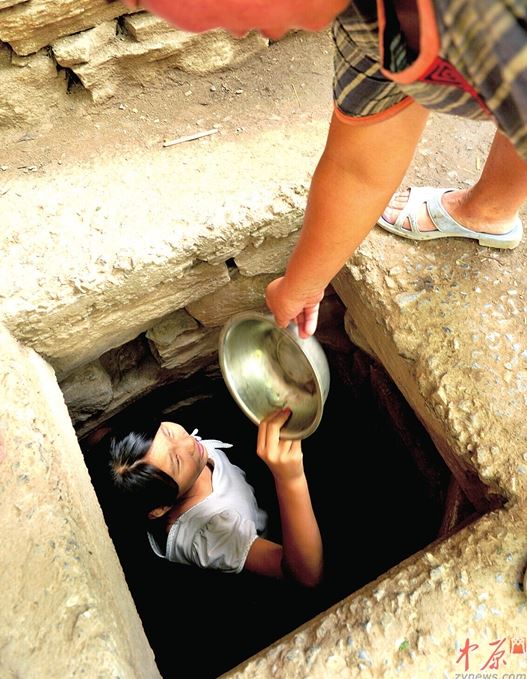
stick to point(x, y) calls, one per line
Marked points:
point(218, 532)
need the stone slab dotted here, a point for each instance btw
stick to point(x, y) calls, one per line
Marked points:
point(92, 263)
point(414, 621)
point(29, 26)
point(67, 610)
point(450, 328)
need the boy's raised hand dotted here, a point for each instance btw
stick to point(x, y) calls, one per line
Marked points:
point(283, 457)
point(301, 555)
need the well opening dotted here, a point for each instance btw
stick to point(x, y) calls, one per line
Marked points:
point(370, 451)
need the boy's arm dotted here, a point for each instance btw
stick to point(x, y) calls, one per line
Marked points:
point(301, 540)
point(300, 555)
point(358, 172)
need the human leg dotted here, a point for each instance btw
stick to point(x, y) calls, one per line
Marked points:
point(490, 206)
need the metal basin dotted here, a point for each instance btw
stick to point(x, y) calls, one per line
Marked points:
point(267, 368)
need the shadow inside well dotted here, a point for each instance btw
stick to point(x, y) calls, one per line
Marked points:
point(373, 503)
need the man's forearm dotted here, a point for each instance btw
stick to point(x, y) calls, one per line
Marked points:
point(341, 212)
point(353, 182)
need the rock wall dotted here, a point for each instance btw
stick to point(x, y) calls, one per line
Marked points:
point(60, 56)
point(174, 349)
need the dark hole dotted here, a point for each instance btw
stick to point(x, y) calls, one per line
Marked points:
point(73, 81)
point(378, 486)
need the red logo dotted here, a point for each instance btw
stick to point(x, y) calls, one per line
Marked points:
point(517, 645)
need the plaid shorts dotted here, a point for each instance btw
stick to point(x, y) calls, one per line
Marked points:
point(472, 62)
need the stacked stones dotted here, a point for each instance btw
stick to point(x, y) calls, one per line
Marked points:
point(45, 47)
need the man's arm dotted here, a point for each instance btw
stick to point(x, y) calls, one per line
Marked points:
point(359, 170)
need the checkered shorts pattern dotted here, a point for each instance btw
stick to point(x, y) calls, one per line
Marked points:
point(472, 62)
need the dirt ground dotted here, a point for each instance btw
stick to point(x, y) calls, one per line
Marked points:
point(290, 80)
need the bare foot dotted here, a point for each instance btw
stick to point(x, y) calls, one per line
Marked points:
point(458, 204)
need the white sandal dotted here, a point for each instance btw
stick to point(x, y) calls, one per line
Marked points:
point(445, 224)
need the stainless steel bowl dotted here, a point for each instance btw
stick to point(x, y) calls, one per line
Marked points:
point(267, 368)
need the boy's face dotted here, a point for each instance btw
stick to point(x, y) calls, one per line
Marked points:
point(273, 18)
point(178, 454)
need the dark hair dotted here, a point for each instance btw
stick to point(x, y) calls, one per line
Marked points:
point(144, 485)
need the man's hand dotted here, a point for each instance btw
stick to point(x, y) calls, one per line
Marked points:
point(285, 307)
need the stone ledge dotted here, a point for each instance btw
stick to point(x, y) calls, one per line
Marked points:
point(30, 26)
point(66, 608)
point(93, 261)
point(412, 621)
point(447, 320)
point(106, 63)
